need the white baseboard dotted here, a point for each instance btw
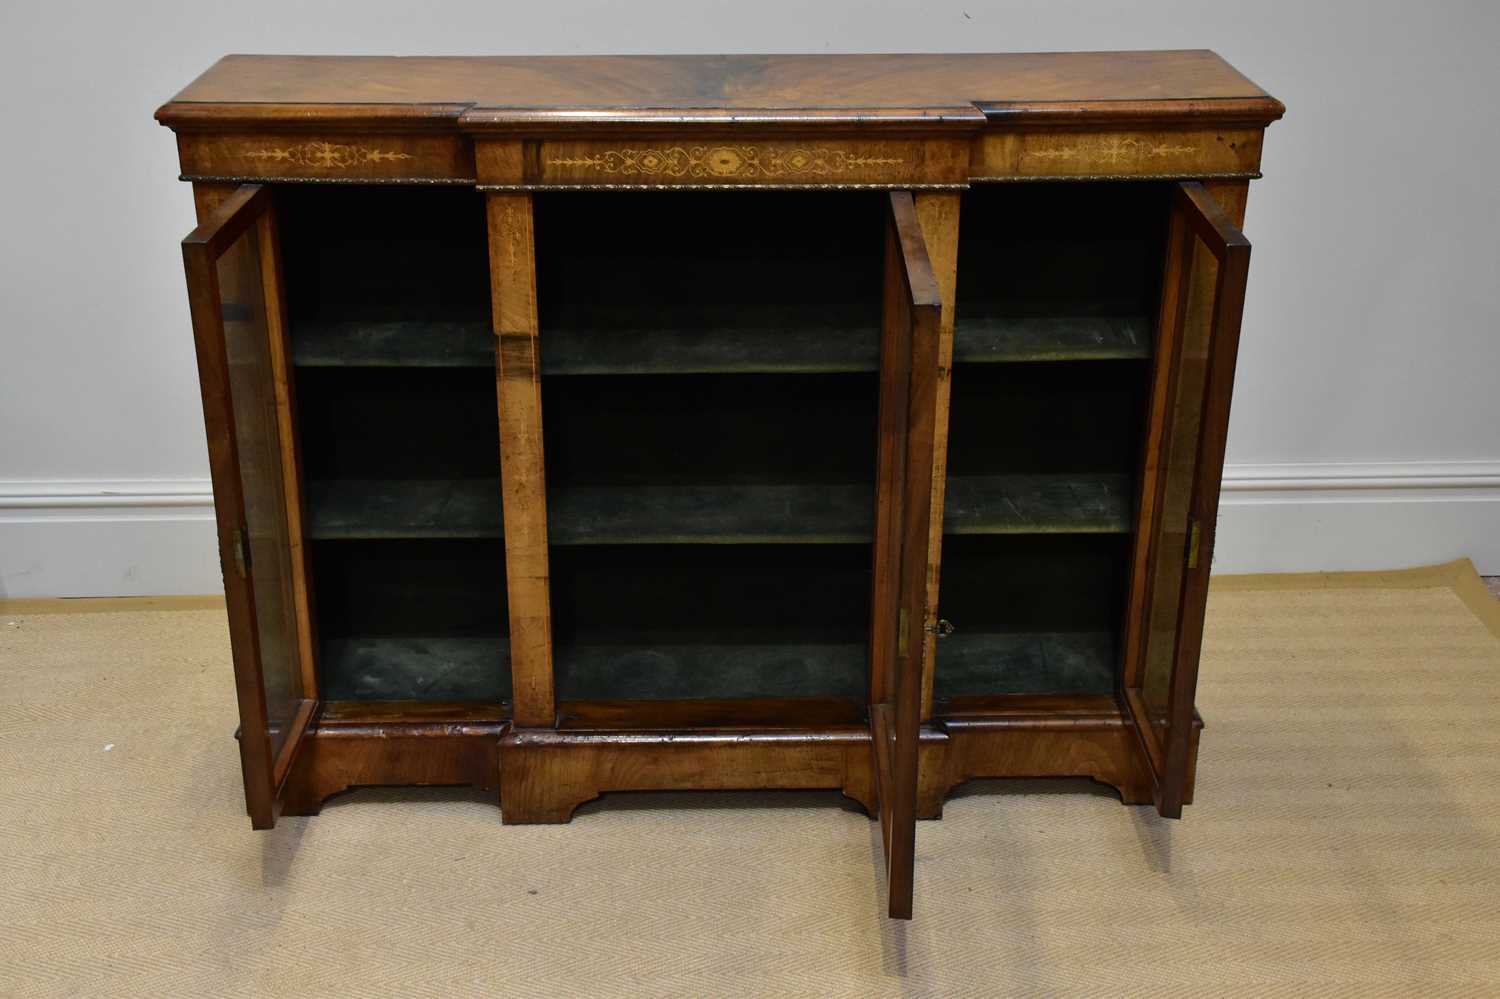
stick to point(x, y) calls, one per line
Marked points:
point(147, 537)
point(1327, 517)
point(98, 538)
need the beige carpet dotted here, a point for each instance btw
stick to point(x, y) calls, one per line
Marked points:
point(1346, 840)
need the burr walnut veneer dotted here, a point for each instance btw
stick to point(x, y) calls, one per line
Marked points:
point(612, 423)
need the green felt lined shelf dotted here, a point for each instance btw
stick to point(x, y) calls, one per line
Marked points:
point(424, 668)
point(668, 671)
point(416, 668)
point(993, 339)
point(1065, 662)
point(393, 344)
point(800, 340)
point(603, 341)
point(1037, 504)
point(346, 509)
point(728, 514)
point(725, 515)
point(967, 664)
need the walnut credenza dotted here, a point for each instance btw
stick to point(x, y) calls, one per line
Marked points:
point(616, 423)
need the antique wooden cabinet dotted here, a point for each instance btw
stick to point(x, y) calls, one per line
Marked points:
point(609, 423)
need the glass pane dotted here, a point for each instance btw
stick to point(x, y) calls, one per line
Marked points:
point(1180, 463)
point(710, 407)
point(251, 385)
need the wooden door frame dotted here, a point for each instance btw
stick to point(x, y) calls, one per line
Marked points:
point(910, 361)
point(229, 219)
point(1200, 232)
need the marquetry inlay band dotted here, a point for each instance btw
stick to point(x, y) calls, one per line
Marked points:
point(1113, 150)
point(1038, 155)
point(724, 161)
point(326, 155)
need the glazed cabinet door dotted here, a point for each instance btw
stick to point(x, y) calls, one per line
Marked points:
point(1203, 294)
point(908, 394)
point(234, 290)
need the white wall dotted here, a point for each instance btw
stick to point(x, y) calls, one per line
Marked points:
point(1366, 428)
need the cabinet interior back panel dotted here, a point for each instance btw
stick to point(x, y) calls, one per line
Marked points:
point(412, 619)
point(724, 282)
point(1065, 249)
point(683, 622)
point(1032, 614)
point(371, 253)
point(710, 400)
point(1058, 290)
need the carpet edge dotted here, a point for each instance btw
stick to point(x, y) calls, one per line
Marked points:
point(16, 606)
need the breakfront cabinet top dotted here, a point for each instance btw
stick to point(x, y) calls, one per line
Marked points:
point(486, 92)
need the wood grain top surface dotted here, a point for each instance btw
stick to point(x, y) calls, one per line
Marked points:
point(443, 88)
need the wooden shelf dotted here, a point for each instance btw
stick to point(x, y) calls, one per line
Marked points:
point(1037, 504)
point(801, 339)
point(407, 668)
point(723, 515)
point(711, 670)
point(1068, 662)
point(818, 513)
point(347, 509)
point(393, 344)
point(622, 341)
point(993, 339)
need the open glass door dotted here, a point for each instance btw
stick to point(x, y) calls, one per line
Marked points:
point(1203, 295)
point(908, 388)
point(234, 290)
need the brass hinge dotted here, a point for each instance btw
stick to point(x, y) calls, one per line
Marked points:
point(1195, 538)
point(241, 552)
point(903, 626)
